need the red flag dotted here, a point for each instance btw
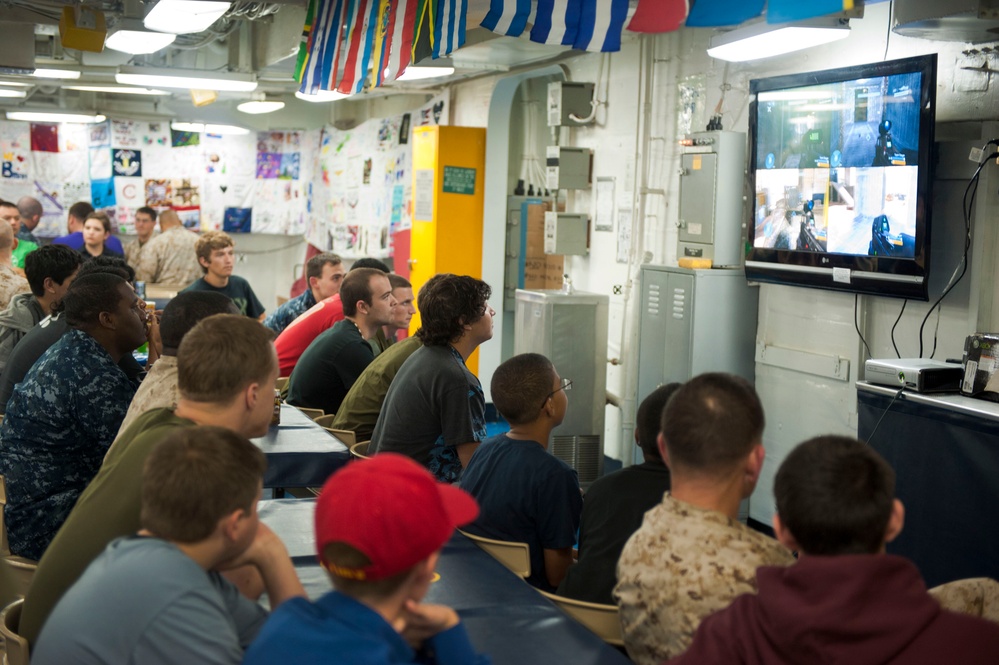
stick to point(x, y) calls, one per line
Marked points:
point(401, 37)
point(355, 41)
point(659, 15)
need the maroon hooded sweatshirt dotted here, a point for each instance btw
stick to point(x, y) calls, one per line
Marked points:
point(849, 610)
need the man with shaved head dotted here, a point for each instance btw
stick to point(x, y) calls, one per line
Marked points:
point(169, 258)
point(31, 215)
point(11, 283)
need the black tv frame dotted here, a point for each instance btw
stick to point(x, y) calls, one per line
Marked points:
point(874, 275)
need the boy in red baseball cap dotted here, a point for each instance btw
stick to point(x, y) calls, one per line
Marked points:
point(380, 526)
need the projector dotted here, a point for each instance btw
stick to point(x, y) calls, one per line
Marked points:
point(920, 374)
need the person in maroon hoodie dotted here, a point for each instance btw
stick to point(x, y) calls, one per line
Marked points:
point(845, 600)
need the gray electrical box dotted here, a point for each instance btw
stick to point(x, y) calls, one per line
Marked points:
point(566, 233)
point(568, 168)
point(712, 175)
point(571, 330)
point(565, 98)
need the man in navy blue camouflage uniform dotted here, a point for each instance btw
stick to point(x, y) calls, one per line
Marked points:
point(323, 275)
point(434, 410)
point(63, 417)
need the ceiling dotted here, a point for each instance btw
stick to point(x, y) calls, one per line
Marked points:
point(253, 37)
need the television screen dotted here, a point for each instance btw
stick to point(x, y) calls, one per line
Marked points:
point(840, 168)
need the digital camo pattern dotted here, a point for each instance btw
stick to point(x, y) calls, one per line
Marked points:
point(169, 258)
point(10, 285)
point(133, 252)
point(681, 565)
point(59, 423)
point(291, 310)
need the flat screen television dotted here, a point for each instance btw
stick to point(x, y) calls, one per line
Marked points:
point(840, 167)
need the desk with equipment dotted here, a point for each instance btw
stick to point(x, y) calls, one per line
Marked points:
point(504, 616)
point(299, 452)
point(944, 449)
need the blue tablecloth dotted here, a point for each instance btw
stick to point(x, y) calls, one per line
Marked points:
point(505, 617)
point(299, 452)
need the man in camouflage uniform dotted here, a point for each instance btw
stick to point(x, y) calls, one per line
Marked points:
point(11, 283)
point(169, 258)
point(691, 556)
point(145, 225)
point(65, 413)
point(323, 274)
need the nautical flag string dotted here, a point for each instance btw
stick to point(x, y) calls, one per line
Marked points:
point(323, 47)
point(449, 26)
point(401, 42)
point(654, 16)
point(507, 17)
point(303, 48)
point(557, 22)
point(380, 50)
point(600, 25)
point(717, 13)
point(423, 35)
point(782, 11)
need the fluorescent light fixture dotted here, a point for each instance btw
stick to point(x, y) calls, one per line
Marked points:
point(321, 96)
point(43, 73)
point(186, 79)
point(183, 17)
point(116, 89)
point(16, 84)
point(7, 92)
point(761, 40)
point(208, 128)
point(131, 38)
point(47, 116)
point(420, 73)
point(262, 106)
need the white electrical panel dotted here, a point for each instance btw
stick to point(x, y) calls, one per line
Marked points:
point(568, 168)
point(566, 233)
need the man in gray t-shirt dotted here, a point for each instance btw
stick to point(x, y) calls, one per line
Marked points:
point(434, 410)
point(158, 597)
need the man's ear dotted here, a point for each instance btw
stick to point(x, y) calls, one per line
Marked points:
point(106, 320)
point(663, 451)
point(203, 262)
point(14, 246)
point(250, 395)
point(48, 285)
point(229, 525)
point(313, 281)
point(754, 463)
point(783, 535)
point(896, 521)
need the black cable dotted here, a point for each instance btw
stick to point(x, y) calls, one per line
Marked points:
point(870, 437)
point(888, 30)
point(856, 298)
point(967, 205)
point(894, 346)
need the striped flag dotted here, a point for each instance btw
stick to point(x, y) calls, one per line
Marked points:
point(401, 29)
point(717, 13)
point(508, 17)
point(379, 47)
point(659, 16)
point(449, 26)
point(557, 22)
point(357, 34)
point(324, 47)
point(782, 11)
point(600, 25)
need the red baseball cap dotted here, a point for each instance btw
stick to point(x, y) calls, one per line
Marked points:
point(392, 510)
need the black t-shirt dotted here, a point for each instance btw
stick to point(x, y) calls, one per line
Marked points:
point(36, 342)
point(329, 367)
point(237, 290)
point(613, 509)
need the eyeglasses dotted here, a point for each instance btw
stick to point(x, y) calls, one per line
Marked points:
point(566, 385)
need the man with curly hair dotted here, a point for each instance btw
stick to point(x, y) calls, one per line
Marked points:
point(216, 254)
point(434, 411)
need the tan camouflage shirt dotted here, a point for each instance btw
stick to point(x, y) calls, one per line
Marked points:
point(133, 252)
point(11, 284)
point(681, 565)
point(157, 390)
point(169, 258)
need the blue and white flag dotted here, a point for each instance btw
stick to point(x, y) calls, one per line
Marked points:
point(449, 28)
point(557, 22)
point(600, 24)
point(507, 17)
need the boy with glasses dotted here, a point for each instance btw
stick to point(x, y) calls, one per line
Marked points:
point(526, 494)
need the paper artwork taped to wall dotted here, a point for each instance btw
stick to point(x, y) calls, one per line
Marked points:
point(185, 193)
point(47, 166)
point(190, 218)
point(100, 134)
point(44, 137)
point(15, 141)
point(73, 138)
point(100, 163)
point(126, 133)
point(127, 162)
point(159, 193)
point(179, 139)
point(237, 220)
point(102, 193)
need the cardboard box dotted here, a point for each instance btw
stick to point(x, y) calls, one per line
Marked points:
point(981, 362)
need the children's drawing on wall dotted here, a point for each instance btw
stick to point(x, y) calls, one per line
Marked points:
point(190, 218)
point(366, 177)
point(44, 137)
point(404, 129)
point(126, 133)
point(100, 163)
point(185, 193)
point(127, 162)
point(159, 193)
point(180, 139)
point(100, 134)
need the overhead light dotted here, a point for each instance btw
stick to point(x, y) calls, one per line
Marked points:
point(115, 89)
point(203, 128)
point(47, 116)
point(56, 74)
point(183, 17)
point(16, 84)
point(321, 96)
point(130, 37)
point(258, 107)
point(420, 73)
point(186, 79)
point(7, 92)
point(761, 40)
